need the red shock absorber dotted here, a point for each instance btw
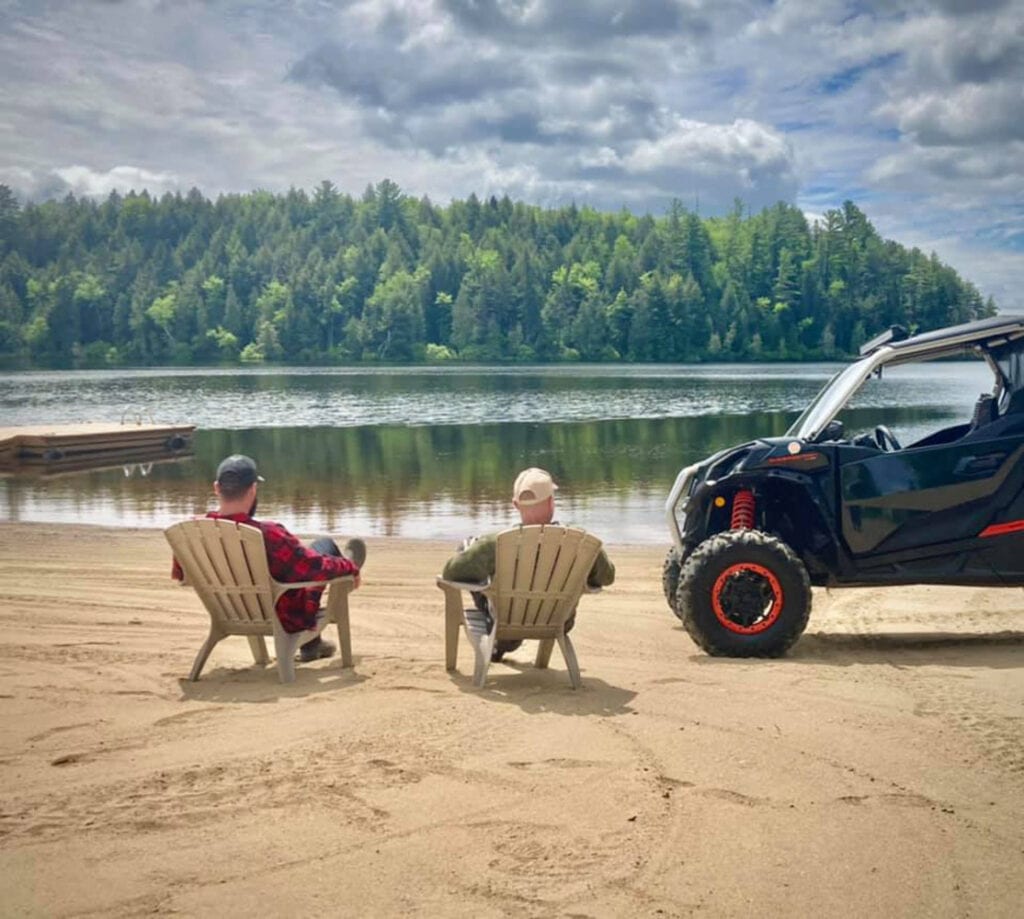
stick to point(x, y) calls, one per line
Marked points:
point(743, 507)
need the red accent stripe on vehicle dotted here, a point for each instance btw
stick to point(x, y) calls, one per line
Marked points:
point(797, 458)
point(1001, 529)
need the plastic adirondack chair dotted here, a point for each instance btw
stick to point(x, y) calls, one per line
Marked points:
point(540, 575)
point(226, 563)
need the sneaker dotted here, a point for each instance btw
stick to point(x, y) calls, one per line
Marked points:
point(316, 649)
point(503, 647)
point(355, 551)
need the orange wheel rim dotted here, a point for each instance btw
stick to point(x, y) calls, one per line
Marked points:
point(747, 598)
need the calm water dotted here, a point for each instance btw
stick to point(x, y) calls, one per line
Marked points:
point(431, 452)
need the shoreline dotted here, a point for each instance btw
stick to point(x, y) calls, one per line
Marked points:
point(879, 767)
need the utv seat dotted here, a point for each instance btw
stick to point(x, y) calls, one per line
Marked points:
point(985, 412)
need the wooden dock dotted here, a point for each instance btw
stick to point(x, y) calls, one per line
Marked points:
point(42, 445)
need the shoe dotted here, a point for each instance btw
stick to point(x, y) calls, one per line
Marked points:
point(316, 649)
point(501, 648)
point(355, 551)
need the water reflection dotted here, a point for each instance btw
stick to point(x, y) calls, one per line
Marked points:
point(431, 452)
point(437, 481)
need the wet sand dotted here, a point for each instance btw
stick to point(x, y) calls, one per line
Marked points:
point(877, 770)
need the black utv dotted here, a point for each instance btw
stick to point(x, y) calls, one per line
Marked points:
point(756, 525)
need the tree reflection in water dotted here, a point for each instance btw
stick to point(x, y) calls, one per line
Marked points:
point(440, 481)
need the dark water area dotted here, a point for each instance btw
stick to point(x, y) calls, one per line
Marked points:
point(432, 452)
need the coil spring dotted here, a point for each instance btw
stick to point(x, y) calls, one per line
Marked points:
point(743, 508)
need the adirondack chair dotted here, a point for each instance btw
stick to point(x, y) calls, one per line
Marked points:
point(226, 563)
point(540, 575)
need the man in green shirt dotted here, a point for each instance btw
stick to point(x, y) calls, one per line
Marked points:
point(533, 496)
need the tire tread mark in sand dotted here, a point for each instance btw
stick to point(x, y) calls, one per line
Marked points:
point(997, 739)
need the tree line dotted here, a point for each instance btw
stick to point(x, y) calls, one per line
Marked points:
point(329, 278)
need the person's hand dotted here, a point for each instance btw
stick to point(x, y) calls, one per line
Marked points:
point(356, 580)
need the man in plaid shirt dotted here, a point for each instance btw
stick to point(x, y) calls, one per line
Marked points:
point(289, 560)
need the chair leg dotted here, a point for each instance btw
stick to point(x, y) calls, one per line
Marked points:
point(344, 637)
point(544, 650)
point(483, 648)
point(204, 652)
point(452, 627)
point(337, 607)
point(569, 653)
point(481, 634)
point(259, 649)
point(286, 644)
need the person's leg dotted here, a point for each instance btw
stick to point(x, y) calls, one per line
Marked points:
point(354, 549)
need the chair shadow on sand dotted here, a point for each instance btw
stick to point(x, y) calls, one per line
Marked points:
point(259, 684)
point(985, 650)
point(547, 691)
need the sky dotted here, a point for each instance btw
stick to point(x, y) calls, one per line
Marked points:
point(912, 110)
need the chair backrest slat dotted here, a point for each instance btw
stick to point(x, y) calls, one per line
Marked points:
point(514, 567)
point(564, 574)
point(540, 573)
point(226, 564)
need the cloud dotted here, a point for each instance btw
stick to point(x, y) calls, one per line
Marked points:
point(81, 180)
point(380, 77)
point(965, 115)
point(546, 21)
point(747, 157)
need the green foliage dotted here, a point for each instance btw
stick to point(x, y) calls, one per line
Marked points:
point(325, 277)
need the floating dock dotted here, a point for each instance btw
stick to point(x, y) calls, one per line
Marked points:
point(90, 443)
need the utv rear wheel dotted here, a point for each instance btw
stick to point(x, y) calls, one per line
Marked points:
point(744, 593)
point(670, 578)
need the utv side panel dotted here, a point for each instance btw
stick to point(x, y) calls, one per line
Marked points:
point(898, 500)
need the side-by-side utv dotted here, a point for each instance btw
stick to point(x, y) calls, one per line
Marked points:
point(754, 526)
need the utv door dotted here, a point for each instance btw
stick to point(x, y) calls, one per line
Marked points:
point(934, 501)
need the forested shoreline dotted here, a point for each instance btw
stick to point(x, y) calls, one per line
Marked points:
point(328, 278)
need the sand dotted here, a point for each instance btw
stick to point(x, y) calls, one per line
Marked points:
point(878, 770)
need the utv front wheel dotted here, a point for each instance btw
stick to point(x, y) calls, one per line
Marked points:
point(743, 593)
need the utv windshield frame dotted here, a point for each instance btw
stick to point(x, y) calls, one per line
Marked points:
point(1001, 333)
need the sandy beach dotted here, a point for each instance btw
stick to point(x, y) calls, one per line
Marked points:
point(878, 770)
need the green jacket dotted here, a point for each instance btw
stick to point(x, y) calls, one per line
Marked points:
point(475, 564)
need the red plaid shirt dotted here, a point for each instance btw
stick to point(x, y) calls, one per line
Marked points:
point(290, 560)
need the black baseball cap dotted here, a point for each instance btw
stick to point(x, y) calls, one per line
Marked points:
point(239, 471)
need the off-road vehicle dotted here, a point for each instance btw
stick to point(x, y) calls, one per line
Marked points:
point(756, 525)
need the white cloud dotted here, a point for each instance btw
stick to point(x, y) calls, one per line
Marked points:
point(743, 148)
point(81, 180)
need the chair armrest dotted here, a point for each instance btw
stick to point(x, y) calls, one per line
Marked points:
point(292, 585)
point(462, 585)
point(282, 587)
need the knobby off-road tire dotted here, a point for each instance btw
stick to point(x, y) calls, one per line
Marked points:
point(744, 593)
point(670, 569)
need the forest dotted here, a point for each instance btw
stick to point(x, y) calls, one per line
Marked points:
point(328, 278)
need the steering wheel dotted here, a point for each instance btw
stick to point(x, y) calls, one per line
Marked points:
point(885, 439)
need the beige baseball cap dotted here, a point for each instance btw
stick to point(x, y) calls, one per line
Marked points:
point(533, 486)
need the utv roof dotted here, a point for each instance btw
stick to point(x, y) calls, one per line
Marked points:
point(986, 333)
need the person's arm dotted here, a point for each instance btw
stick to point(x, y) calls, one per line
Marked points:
point(474, 564)
point(290, 560)
point(602, 573)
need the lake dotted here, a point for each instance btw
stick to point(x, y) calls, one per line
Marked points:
point(432, 451)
